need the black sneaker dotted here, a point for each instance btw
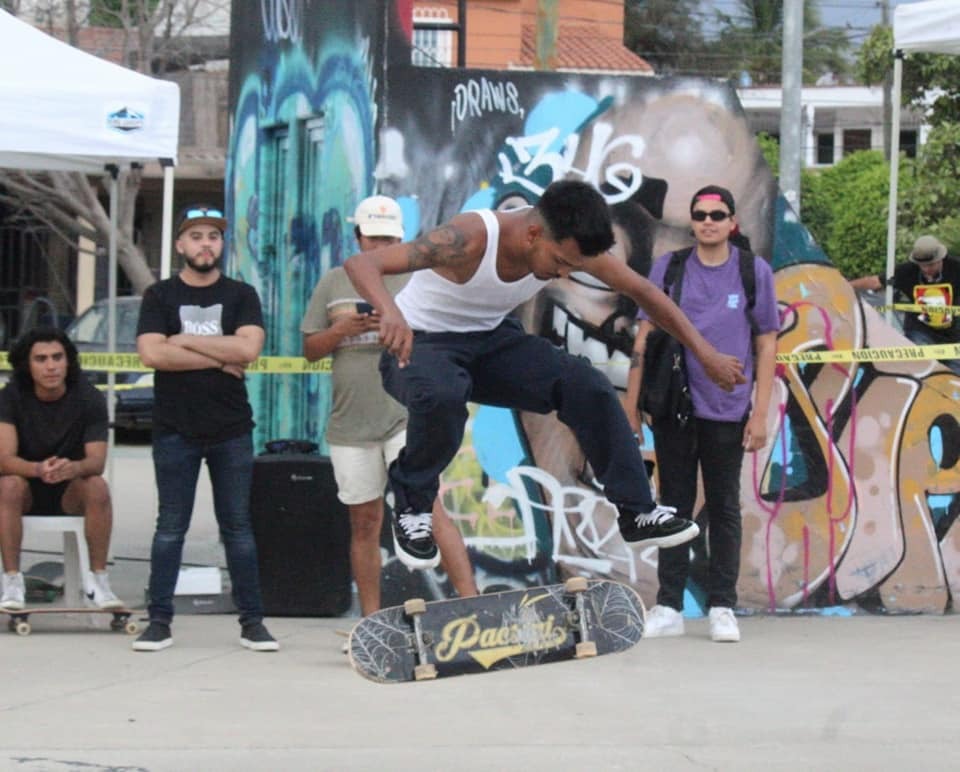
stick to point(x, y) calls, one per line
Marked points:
point(155, 637)
point(658, 528)
point(255, 636)
point(413, 539)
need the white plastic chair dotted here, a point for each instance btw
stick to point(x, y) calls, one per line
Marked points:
point(76, 556)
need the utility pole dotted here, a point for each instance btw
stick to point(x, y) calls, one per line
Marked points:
point(791, 114)
point(545, 57)
point(887, 88)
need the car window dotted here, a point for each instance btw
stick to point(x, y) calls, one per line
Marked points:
point(91, 325)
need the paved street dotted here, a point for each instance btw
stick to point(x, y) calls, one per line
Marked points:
point(798, 693)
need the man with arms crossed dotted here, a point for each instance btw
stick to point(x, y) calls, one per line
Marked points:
point(200, 330)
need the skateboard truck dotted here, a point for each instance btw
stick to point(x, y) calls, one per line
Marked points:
point(424, 670)
point(576, 586)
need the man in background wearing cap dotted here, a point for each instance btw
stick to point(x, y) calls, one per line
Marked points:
point(200, 330)
point(930, 278)
point(367, 427)
point(709, 288)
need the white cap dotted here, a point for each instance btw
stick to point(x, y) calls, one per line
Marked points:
point(379, 216)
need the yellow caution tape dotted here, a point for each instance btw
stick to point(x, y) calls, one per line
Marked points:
point(919, 308)
point(885, 354)
point(106, 362)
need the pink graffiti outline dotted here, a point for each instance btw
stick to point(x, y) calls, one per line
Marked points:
point(773, 511)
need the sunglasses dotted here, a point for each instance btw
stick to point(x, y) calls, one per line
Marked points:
point(192, 214)
point(698, 215)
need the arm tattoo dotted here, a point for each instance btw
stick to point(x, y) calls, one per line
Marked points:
point(635, 360)
point(444, 246)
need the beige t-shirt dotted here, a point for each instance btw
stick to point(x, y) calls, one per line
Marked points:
point(362, 411)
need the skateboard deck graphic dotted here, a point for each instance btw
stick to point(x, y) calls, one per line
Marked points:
point(18, 620)
point(517, 628)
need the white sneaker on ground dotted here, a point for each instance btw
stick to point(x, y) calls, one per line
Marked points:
point(723, 625)
point(14, 590)
point(663, 622)
point(100, 592)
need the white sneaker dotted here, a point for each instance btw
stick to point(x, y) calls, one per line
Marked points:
point(101, 594)
point(14, 590)
point(723, 625)
point(662, 622)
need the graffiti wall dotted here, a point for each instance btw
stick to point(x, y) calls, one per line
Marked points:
point(306, 79)
point(853, 501)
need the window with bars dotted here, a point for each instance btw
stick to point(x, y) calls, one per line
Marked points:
point(431, 47)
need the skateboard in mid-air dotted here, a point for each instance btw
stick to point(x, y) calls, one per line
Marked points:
point(532, 626)
point(18, 620)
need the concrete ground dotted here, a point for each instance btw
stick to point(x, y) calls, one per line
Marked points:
point(798, 693)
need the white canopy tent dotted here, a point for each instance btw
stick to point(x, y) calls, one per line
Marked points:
point(63, 109)
point(927, 27)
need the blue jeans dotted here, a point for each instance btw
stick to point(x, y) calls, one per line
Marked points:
point(176, 461)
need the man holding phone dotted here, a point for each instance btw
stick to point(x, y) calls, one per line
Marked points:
point(367, 427)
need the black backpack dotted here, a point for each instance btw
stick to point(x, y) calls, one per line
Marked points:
point(665, 393)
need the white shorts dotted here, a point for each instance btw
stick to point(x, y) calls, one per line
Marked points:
point(361, 470)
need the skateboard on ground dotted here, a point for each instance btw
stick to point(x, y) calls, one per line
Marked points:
point(532, 626)
point(18, 620)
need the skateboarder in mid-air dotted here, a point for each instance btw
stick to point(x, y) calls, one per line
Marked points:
point(448, 340)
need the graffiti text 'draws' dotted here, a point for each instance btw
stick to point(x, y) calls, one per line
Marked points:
point(477, 97)
point(281, 20)
point(533, 154)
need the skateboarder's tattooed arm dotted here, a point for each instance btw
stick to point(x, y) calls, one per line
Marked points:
point(444, 246)
point(636, 359)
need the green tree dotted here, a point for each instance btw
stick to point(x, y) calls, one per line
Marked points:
point(925, 76)
point(752, 36)
point(845, 209)
point(667, 33)
point(930, 185)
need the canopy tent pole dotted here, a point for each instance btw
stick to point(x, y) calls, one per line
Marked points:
point(894, 182)
point(166, 236)
point(112, 314)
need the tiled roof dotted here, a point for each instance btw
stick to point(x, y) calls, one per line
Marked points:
point(581, 48)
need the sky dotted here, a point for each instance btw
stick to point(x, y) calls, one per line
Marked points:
point(857, 16)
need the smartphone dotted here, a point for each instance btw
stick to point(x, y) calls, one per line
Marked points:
point(364, 308)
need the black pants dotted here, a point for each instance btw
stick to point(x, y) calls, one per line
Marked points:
point(716, 447)
point(506, 367)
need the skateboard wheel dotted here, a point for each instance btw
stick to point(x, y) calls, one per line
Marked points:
point(575, 584)
point(424, 672)
point(131, 628)
point(586, 649)
point(414, 606)
point(22, 628)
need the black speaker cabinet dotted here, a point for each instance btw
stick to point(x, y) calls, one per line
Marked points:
point(303, 536)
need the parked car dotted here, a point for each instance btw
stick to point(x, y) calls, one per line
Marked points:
point(134, 402)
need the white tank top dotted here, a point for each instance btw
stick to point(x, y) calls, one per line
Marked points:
point(431, 303)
